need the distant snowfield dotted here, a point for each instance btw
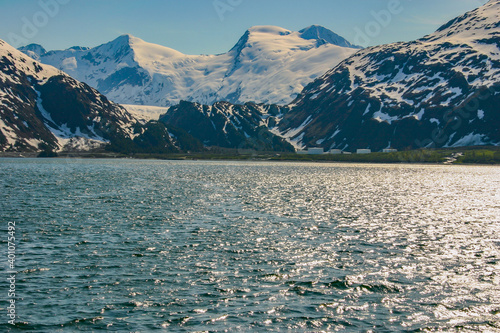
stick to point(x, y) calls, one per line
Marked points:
point(268, 65)
point(145, 113)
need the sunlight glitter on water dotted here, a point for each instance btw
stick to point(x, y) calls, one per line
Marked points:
point(196, 246)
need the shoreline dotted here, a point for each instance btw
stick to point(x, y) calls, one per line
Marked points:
point(482, 155)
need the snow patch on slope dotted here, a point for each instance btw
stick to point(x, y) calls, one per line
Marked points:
point(145, 113)
point(65, 137)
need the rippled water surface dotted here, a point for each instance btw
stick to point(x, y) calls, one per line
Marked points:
point(138, 246)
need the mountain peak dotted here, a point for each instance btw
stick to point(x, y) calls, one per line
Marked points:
point(34, 51)
point(126, 40)
point(123, 39)
point(476, 25)
point(316, 33)
point(256, 32)
point(322, 34)
point(269, 29)
point(142, 49)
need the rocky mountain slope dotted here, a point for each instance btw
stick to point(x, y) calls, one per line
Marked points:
point(41, 108)
point(442, 90)
point(230, 126)
point(268, 65)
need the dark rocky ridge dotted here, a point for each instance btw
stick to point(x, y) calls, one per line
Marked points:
point(228, 125)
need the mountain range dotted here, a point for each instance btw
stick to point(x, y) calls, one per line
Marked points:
point(439, 91)
point(267, 65)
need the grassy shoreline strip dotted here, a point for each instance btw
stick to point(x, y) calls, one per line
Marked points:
point(462, 155)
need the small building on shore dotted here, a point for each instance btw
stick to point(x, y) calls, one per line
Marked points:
point(335, 151)
point(363, 151)
point(390, 150)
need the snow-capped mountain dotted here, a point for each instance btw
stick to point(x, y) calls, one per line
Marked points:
point(325, 36)
point(31, 98)
point(42, 108)
point(268, 65)
point(442, 90)
point(33, 51)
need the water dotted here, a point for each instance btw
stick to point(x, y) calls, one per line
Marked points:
point(139, 246)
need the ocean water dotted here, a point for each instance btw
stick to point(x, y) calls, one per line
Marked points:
point(195, 246)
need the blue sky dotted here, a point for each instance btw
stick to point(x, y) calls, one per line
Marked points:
point(214, 26)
